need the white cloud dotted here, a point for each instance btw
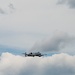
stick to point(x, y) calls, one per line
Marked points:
point(71, 3)
point(62, 64)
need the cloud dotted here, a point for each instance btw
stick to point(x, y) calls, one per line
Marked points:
point(58, 42)
point(35, 20)
point(6, 9)
point(2, 11)
point(71, 3)
point(62, 64)
point(11, 6)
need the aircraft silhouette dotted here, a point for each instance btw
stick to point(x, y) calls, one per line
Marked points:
point(33, 54)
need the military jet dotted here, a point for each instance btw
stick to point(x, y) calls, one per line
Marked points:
point(33, 54)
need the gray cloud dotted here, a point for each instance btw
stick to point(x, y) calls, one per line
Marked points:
point(70, 3)
point(56, 43)
point(2, 11)
point(58, 64)
point(11, 6)
point(9, 9)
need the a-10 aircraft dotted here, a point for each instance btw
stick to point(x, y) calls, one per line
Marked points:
point(33, 54)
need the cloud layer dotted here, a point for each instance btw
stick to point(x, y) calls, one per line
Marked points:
point(32, 21)
point(56, 43)
point(71, 3)
point(58, 64)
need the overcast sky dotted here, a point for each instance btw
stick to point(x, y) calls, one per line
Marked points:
point(24, 22)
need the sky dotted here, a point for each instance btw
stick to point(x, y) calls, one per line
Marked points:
point(24, 22)
point(47, 26)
